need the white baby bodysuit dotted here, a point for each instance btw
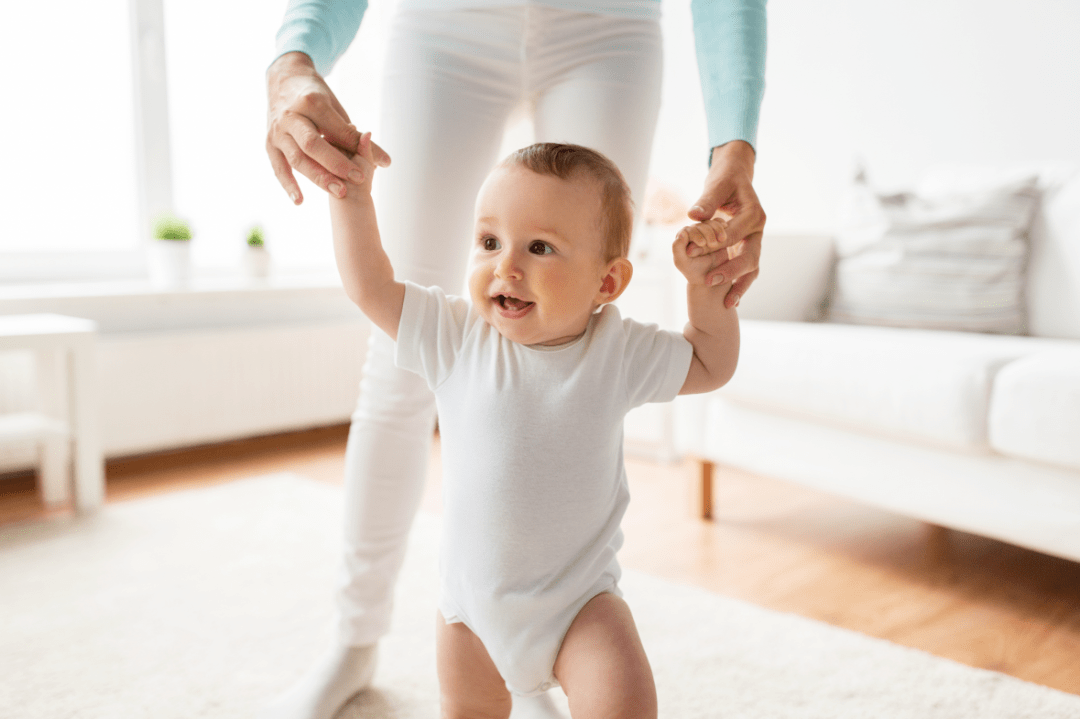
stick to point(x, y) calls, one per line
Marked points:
point(534, 487)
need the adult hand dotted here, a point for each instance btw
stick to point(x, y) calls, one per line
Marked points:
point(729, 193)
point(307, 129)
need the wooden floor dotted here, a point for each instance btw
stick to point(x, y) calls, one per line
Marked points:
point(774, 544)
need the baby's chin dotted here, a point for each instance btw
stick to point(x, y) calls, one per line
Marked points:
point(524, 331)
point(539, 339)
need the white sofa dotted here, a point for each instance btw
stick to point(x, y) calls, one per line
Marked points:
point(976, 432)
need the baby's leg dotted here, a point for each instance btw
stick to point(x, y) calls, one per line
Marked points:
point(470, 687)
point(602, 665)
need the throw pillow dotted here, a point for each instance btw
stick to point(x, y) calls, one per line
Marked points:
point(948, 261)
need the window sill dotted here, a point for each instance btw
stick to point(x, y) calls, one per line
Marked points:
point(206, 302)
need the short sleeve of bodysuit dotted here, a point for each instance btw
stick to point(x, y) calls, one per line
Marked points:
point(655, 362)
point(431, 332)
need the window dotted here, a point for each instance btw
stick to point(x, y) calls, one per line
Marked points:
point(222, 179)
point(68, 185)
point(71, 186)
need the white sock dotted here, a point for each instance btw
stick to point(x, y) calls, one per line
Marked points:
point(541, 706)
point(337, 676)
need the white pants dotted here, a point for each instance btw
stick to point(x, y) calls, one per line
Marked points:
point(453, 77)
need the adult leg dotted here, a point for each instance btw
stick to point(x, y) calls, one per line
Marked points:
point(443, 116)
point(602, 665)
point(445, 106)
point(597, 83)
point(470, 687)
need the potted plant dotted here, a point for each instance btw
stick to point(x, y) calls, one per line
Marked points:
point(256, 257)
point(170, 251)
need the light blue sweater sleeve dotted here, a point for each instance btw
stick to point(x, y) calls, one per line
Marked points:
point(729, 36)
point(322, 29)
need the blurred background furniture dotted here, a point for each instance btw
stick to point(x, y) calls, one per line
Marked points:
point(65, 424)
point(975, 431)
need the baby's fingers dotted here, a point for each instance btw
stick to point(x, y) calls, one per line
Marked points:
point(694, 239)
point(706, 237)
point(363, 148)
point(364, 159)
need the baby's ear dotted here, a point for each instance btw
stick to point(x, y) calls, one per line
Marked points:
point(616, 278)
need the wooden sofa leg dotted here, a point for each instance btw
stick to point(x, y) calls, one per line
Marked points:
point(705, 495)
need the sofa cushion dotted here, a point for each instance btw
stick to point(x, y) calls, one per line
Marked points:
point(1035, 408)
point(915, 384)
point(952, 261)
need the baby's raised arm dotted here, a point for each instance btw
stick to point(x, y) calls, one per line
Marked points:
point(713, 330)
point(364, 267)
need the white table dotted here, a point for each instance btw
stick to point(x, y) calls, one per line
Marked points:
point(67, 416)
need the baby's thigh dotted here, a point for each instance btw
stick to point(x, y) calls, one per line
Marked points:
point(469, 684)
point(602, 665)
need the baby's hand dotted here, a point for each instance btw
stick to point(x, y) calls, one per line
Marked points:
point(701, 248)
point(364, 159)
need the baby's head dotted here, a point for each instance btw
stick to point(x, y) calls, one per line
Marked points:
point(553, 225)
point(615, 214)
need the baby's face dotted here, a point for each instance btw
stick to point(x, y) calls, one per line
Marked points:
point(537, 267)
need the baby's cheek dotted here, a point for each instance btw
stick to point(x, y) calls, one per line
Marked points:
point(477, 283)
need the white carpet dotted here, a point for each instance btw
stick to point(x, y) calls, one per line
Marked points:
point(204, 603)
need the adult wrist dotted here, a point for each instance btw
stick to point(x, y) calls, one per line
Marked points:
point(735, 152)
point(293, 62)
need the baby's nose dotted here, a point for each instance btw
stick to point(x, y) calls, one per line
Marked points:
point(508, 266)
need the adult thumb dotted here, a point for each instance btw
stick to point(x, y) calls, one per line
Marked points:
point(702, 210)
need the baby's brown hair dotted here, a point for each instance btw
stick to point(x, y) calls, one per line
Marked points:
point(565, 162)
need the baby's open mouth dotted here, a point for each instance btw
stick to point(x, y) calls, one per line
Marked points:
point(511, 303)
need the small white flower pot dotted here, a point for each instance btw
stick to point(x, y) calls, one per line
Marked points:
point(170, 263)
point(257, 262)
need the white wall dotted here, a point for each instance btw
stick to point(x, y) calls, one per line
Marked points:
point(903, 85)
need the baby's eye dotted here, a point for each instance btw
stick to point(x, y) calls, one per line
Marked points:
point(489, 243)
point(540, 248)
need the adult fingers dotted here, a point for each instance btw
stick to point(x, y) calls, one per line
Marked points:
point(314, 148)
point(325, 116)
point(748, 217)
point(710, 202)
point(350, 136)
point(713, 200)
point(743, 263)
point(339, 131)
point(379, 157)
point(283, 172)
point(738, 289)
point(731, 169)
point(300, 161)
point(741, 208)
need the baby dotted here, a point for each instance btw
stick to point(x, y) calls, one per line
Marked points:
point(533, 375)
